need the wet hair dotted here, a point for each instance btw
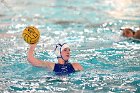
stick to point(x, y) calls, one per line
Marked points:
point(127, 30)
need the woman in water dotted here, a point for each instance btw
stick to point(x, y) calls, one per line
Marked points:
point(63, 66)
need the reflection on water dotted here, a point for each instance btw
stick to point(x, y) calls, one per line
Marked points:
point(91, 27)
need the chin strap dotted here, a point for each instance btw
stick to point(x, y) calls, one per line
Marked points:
point(65, 61)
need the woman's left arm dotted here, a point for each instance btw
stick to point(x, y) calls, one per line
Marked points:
point(77, 66)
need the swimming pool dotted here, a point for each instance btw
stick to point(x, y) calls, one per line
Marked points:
point(91, 27)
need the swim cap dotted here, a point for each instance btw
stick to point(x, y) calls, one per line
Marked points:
point(59, 48)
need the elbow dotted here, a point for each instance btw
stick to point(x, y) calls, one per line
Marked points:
point(31, 61)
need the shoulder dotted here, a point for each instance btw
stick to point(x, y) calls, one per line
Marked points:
point(77, 66)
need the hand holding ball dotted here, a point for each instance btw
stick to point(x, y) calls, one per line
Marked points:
point(31, 35)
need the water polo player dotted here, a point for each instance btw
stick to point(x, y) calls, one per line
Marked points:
point(63, 66)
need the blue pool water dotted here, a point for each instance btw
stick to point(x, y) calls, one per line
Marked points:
point(92, 29)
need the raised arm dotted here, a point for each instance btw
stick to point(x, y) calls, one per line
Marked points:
point(36, 62)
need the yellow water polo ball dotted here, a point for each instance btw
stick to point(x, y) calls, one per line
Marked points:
point(31, 34)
